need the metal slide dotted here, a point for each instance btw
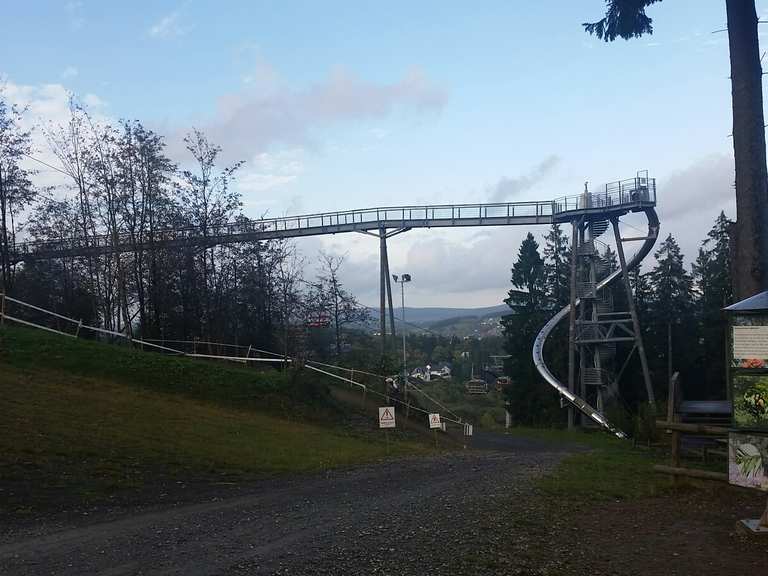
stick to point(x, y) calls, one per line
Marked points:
point(538, 345)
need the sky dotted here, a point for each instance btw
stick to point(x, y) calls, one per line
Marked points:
point(342, 105)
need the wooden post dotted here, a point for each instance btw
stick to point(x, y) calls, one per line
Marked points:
point(671, 399)
point(675, 454)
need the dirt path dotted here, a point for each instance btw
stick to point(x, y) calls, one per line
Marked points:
point(463, 513)
point(416, 516)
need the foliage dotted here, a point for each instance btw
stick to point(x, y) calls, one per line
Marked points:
point(531, 401)
point(669, 297)
point(16, 189)
point(123, 190)
point(557, 257)
point(623, 18)
point(712, 276)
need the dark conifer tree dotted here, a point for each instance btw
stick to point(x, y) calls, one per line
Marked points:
point(532, 402)
point(712, 275)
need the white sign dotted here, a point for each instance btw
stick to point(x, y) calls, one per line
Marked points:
point(386, 417)
point(467, 429)
point(750, 342)
point(434, 421)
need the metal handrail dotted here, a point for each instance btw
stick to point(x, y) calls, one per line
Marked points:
point(636, 192)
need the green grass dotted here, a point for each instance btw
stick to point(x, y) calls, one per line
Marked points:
point(82, 420)
point(263, 388)
point(611, 470)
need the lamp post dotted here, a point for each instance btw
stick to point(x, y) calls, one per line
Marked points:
point(402, 280)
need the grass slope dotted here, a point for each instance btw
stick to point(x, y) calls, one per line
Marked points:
point(82, 419)
point(612, 470)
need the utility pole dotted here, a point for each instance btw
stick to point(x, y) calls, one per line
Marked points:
point(403, 278)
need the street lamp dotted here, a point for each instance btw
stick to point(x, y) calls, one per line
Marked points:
point(403, 279)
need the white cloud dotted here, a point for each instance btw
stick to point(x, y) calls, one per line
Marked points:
point(507, 188)
point(270, 170)
point(380, 133)
point(689, 201)
point(75, 16)
point(69, 72)
point(269, 111)
point(169, 26)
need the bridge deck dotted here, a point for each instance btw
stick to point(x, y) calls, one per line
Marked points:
point(617, 198)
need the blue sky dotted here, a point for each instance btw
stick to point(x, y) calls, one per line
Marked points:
point(337, 105)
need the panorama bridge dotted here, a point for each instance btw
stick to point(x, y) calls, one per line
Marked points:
point(594, 331)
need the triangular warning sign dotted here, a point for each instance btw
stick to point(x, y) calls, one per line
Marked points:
point(387, 415)
point(435, 418)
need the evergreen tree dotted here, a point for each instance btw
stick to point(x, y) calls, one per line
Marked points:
point(557, 255)
point(531, 400)
point(673, 320)
point(712, 275)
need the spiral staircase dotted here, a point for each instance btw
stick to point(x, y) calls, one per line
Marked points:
point(598, 327)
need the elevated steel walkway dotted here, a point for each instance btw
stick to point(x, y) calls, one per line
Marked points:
point(616, 198)
point(593, 209)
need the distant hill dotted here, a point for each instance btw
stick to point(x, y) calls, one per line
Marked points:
point(427, 316)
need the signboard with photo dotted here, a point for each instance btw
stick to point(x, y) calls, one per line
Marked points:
point(748, 460)
point(750, 400)
point(750, 346)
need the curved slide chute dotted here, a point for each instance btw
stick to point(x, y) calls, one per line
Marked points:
point(541, 338)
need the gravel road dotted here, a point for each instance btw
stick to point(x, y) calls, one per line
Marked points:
point(428, 515)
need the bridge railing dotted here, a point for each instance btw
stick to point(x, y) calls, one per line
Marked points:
point(364, 219)
point(631, 191)
point(640, 189)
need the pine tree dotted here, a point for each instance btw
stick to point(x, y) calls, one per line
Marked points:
point(557, 255)
point(712, 275)
point(672, 310)
point(531, 400)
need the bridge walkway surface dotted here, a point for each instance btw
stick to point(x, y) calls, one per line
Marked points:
point(620, 197)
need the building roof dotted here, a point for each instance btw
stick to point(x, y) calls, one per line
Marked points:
point(754, 303)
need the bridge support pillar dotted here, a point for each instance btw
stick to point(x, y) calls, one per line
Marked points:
point(633, 313)
point(385, 292)
point(385, 285)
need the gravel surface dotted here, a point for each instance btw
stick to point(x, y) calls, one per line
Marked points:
point(429, 515)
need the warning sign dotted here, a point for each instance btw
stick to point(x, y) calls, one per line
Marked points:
point(386, 417)
point(434, 421)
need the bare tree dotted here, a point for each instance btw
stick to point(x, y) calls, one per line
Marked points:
point(16, 190)
point(331, 297)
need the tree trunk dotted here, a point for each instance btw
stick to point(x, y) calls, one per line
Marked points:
point(751, 236)
point(4, 256)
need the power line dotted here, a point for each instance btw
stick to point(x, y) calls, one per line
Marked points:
point(46, 164)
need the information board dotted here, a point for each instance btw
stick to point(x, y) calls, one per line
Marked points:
point(750, 346)
point(748, 460)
